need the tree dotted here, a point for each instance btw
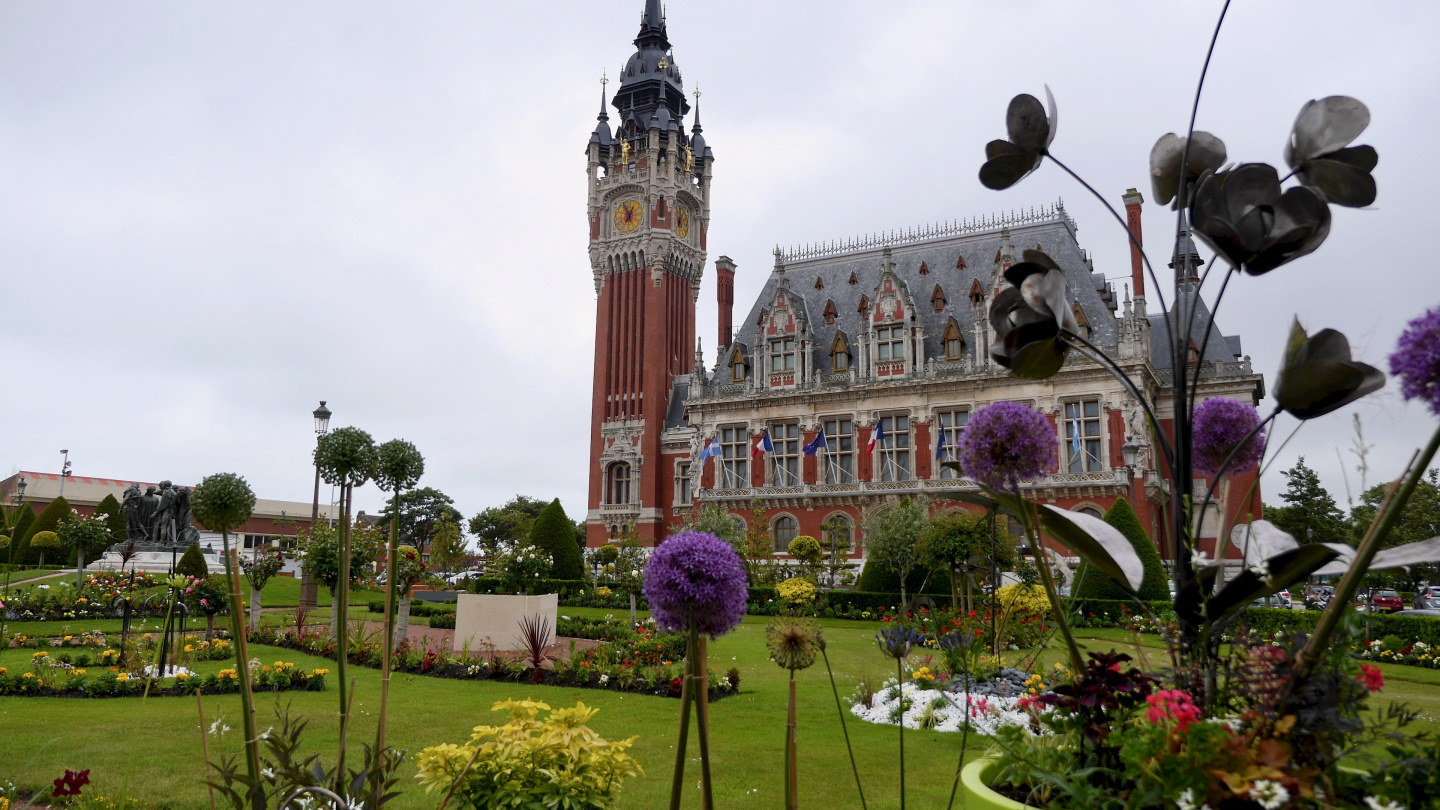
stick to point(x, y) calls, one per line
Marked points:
point(409, 571)
point(1309, 514)
point(42, 542)
point(88, 537)
point(959, 545)
point(420, 511)
point(192, 563)
point(1092, 584)
point(114, 517)
point(501, 527)
point(447, 546)
point(320, 548)
point(552, 531)
point(892, 538)
point(1419, 520)
point(717, 520)
point(758, 548)
point(809, 553)
point(47, 521)
point(17, 522)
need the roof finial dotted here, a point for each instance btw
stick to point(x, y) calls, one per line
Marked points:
point(604, 80)
point(696, 128)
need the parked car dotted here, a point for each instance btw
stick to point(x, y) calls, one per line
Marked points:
point(1424, 612)
point(1427, 597)
point(1387, 602)
point(463, 577)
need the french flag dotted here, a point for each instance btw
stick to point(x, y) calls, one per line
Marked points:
point(876, 435)
point(762, 445)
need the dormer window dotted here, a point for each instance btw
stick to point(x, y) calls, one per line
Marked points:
point(1083, 322)
point(937, 299)
point(782, 354)
point(830, 313)
point(737, 367)
point(890, 343)
point(954, 341)
point(839, 354)
point(977, 294)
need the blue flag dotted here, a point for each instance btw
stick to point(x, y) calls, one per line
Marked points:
point(816, 444)
point(940, 443)
point(711, 449)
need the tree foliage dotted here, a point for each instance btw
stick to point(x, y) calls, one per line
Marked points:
point(18, 520)
point(717, 520)
point(321, 550)
point(959, 545)
point(448, 549)
point(192, 563)
point(1419, 520)
point(222, 502)
point(1091, 584)
point(85, 537)
point(421, 510)
point(1309, 513)
point(552, 531)
point(501, 527)
point(47, 521)
point(892, 537)
point(114, 517)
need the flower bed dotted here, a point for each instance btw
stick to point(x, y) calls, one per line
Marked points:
point(52, 677)
point(939, 709)
point(647, 664)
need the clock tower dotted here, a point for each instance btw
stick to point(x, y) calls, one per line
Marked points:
point(648, 210)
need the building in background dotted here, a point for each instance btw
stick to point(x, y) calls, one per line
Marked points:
point(886, 334)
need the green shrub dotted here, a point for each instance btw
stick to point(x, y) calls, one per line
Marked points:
point(47, 521)
point(114, 517)
point(552, 531)
point(443, 621)
point(22, 526)
point(877, 578)
point(192, 563)
point(44, 542)
point(1092, 584)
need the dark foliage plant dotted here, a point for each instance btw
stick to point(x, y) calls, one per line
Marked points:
point(1092, 584)
point(47, 521)
point(552, 531)
point(192, 563)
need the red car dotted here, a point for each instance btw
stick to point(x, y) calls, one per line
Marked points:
point(1387, 602)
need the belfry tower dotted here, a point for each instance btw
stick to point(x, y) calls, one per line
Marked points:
point(648, 212)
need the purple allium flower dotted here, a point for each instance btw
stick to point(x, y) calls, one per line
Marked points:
point(1007, 443)
point(695, 575)
point(1217, 427)
point(897, 641)
point(1416, 360)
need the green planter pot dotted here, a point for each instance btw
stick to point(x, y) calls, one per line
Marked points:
point(975, 782)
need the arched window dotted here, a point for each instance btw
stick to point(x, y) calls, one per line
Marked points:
point(954, 341)
point(784, 530)
point(839, 353)
point(1081, 321)
point(619, 483)
point(737, 367)
point(1091, 511)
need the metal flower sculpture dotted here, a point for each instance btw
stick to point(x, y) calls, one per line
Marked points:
point(1207, 154)
point(1031, 132)
point(1243, 215)
point(1029, 316)
point(1318, 150)
point(346, 457)
point(1317, 375)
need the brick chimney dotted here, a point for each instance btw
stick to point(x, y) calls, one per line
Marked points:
point(725, 296)
point(1133, 200)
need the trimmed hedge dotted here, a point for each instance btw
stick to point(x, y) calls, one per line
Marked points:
point(564, 587)
point(552, 531)
point(443, 621)
point(876, 578)
point(1095, 585)
point(47, 521)
point(418, 608)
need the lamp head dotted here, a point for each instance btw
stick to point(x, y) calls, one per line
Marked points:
point(322, 419)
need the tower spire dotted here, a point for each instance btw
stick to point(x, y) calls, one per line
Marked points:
point(652, 26)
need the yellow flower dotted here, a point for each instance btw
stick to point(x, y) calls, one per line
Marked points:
point(313, 673)
point(41, 654)
point(67, 638)
point(227, 673)
point(4, 671)
point(122, 677)
point(77, 672)
point(29, 675)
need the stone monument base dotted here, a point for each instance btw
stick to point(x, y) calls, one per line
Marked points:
point(482, 617)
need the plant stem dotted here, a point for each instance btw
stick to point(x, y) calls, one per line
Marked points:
point(900, 693)
point(1350, 583)
point(242, 668)
point(389, 640)
point(341, 606)
point(701, 693)
point(792, 798)
point(677, 783)
point(205, 747)
point(1063, 623)
point(843, 729)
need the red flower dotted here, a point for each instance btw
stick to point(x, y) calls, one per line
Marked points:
point(71, 782)
point(1371, 676)
point(972, 614)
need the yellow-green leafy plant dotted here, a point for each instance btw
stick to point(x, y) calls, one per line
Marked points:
point(557, 761)
point(796, 592)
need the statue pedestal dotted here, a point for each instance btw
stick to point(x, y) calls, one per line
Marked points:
point(482, 617)
point(309, 592)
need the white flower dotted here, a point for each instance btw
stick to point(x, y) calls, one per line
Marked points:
point(268, 773)
point(604, 679)
point(1270, 795)
point(1259, 569)
point(1186, 800)
point(1376, 803)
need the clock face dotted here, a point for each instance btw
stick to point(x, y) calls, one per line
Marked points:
point(682, 222)
point(627, 216)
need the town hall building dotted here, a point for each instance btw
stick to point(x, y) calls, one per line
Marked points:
point(887, 333)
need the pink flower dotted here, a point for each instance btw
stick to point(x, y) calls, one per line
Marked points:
point(1371, 676)
point(1172, 704)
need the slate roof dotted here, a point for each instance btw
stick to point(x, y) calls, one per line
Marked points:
point(941, 254)
point(1221, 346)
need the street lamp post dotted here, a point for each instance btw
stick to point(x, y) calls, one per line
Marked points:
point(309, 590)
point(16, 504)
point(64, 470)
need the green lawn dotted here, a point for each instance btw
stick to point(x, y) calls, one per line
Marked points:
point(151, 750)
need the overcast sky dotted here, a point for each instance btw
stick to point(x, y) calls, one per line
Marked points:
point(213, 215)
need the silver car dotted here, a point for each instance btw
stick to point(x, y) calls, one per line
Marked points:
point(1427, 597)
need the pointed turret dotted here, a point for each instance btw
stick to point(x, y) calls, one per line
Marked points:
point(652, 26)
point(601, 135)
point(1186, 260)
point(697, 139)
